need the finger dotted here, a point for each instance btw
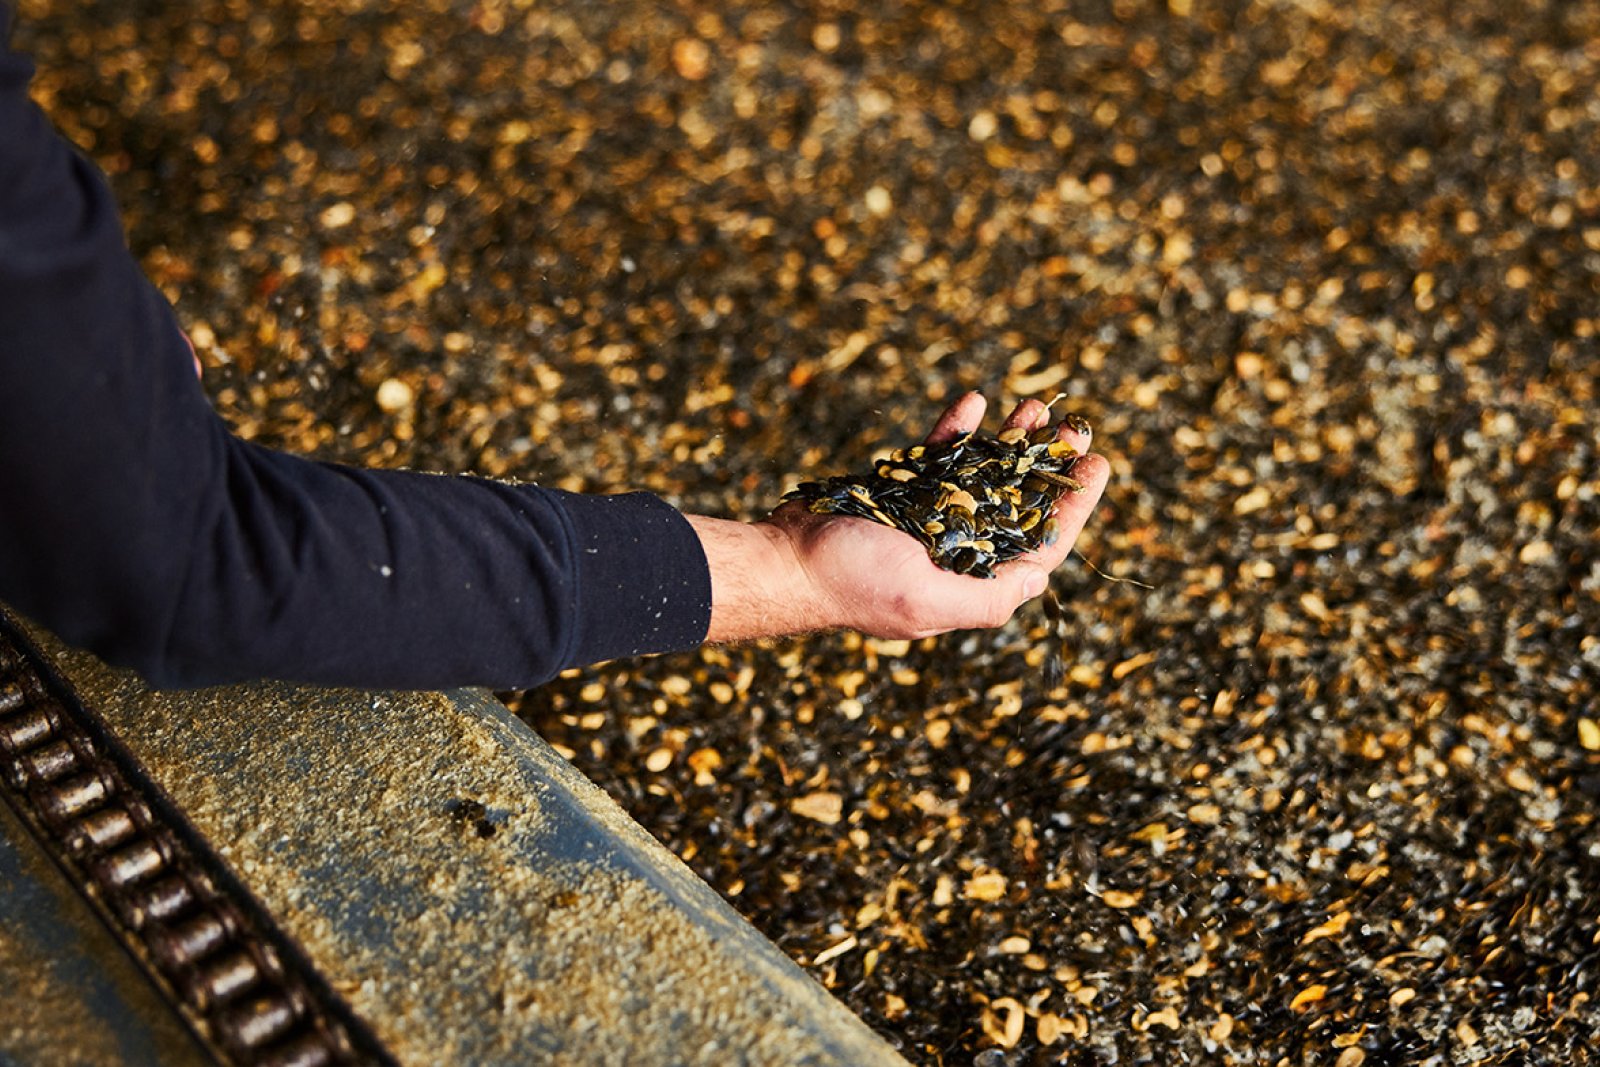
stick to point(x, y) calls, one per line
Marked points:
point(1011, 587)
point(961, 417)
point(1073, 510)
point(966, 603)
point(1028, 415)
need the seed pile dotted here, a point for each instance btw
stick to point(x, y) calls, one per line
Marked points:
point(973, 502)
point(1324, 276)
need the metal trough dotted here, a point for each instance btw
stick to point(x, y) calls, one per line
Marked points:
point(300, 876)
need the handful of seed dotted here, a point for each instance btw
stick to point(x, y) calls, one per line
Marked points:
point(973, 502)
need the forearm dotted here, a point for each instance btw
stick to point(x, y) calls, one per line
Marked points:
point(393, 579)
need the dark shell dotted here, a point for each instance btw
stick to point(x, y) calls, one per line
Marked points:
point(973, 502)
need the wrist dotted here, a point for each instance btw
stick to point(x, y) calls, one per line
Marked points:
point(760, 586)
point(807, 597)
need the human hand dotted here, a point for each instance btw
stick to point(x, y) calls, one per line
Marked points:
point(876, 579)
point(192, 353)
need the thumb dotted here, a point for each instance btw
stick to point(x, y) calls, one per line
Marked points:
point(1015, 584)
point(1032, 580)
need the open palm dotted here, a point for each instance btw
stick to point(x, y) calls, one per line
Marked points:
point(880, 580)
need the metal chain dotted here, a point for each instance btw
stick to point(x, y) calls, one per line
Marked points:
point(246, 991)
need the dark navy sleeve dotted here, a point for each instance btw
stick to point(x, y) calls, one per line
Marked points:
point(133, 523)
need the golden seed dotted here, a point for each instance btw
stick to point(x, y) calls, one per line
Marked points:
point(1308, 996)
point(985, 886)
point(826, 808)
point(1589, 734)
point(395, 396)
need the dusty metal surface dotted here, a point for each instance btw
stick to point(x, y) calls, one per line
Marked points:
point(474, 898)
point(216, 957)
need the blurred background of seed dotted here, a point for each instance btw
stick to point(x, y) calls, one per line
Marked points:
point(1325, 278)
